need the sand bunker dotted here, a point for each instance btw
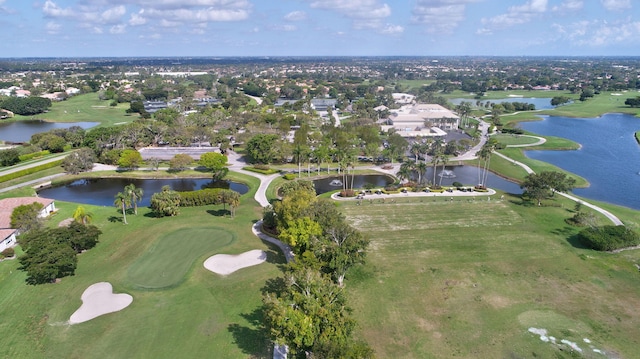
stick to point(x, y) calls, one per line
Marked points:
point(226, 263)
point(98, 299)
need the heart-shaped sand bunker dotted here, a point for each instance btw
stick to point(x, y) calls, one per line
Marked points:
point(226, 263)
point(98, 299)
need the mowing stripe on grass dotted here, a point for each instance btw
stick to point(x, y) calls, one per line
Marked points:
point(167, 262)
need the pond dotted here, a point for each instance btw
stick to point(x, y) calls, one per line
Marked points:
point(609, 157)
point(21, 131)
point(102, 191)
point(467, 175)
point(540, 103)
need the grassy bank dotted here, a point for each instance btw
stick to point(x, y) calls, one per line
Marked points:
point(85, 108)
point(467, 279)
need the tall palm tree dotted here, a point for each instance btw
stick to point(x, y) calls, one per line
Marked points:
point(416, 149)
point(234, 202)
point(81, 215)
point(135, 195)
point(123, 201)
point(421, 168)
point(444, 158)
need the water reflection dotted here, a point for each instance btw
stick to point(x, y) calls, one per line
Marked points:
point(21, 131)
point(101, 191)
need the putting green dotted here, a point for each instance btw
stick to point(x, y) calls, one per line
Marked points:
point(167, 262)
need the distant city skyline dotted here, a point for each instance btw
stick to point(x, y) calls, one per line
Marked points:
point(131, 28)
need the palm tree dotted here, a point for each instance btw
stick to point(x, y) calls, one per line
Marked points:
point(443, 159)
point(416, 149)
point(80, 215)
point(421, 168)
point(485, 154)
point(123, 201)
point(405, 171)
point(135, 194)
point(234, 202)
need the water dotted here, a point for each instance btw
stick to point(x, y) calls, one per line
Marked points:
point(21, 131)
point(102, 191)
point(609, 158)
point(540, 103)
point(467, 175)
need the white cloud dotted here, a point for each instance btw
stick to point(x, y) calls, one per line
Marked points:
point(296, 16)
point(52, 27)
point(366, 14)
point(118, 29)
point(439, 16)
point(616, 5)
point(51, 9)
point(569, 6)
point(285, 28)
point(517, 15)
point(599, 33)
point(392, 29)
point(137, 19)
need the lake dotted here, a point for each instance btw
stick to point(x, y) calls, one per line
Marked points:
point(467, 175)
point(21, 131)
point(609, 158)
point(540, 103)
point(102, 191)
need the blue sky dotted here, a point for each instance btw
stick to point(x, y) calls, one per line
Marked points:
point(69, 28)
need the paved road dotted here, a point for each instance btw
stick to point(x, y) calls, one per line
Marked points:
point(19, 167)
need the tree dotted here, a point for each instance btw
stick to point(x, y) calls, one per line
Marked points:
point(260, 148)
point(343, 247)
point(9, 157)
point(47, 258)
point(180, 162)
point(232, 198)
point(79, 236)
point(27, 217)
point(543, 185)
point(52, 143)
point(80, 215)
point(135, 195)
point(123, 201)
point(79, 161)
point(309, 315)
point(216, 163)
point(130, 159)
point(300, 233)
point(166, 202)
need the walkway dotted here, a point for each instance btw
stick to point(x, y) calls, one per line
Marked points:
point(603, 211)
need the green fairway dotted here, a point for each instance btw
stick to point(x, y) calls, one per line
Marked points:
point(468, 279)
point(166, 263)
point(205, 316)
point(509, 139)
point(85, 108)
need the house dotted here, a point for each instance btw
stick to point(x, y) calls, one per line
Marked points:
point(7, 205)
point(7, 238)
point(421, 120)
point(323, 104)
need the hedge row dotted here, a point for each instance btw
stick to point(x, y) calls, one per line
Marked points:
point(201, 197)
point(608, 238)
point(267, 171)
point(28, 171)
point(33, 155)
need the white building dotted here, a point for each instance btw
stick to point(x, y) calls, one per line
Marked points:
point(7, 205)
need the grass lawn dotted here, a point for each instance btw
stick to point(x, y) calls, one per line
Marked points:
point(509, 139)
point(204, 315)
point(467, 279)
point(85, 108)
point(166, 263)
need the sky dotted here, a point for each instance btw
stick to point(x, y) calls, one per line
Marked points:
point(117, 28)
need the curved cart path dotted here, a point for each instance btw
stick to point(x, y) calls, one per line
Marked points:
point(603, 211)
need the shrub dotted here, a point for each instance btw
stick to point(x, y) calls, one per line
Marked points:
point(347, 193)
point(8, 252)
point(31, 170)
point(289, 176)
point(33, 155)
point(607, 238)
point(267, 171)
point(201, 197)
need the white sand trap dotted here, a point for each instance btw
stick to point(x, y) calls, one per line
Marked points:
point(98, 299)
point(226, 263)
